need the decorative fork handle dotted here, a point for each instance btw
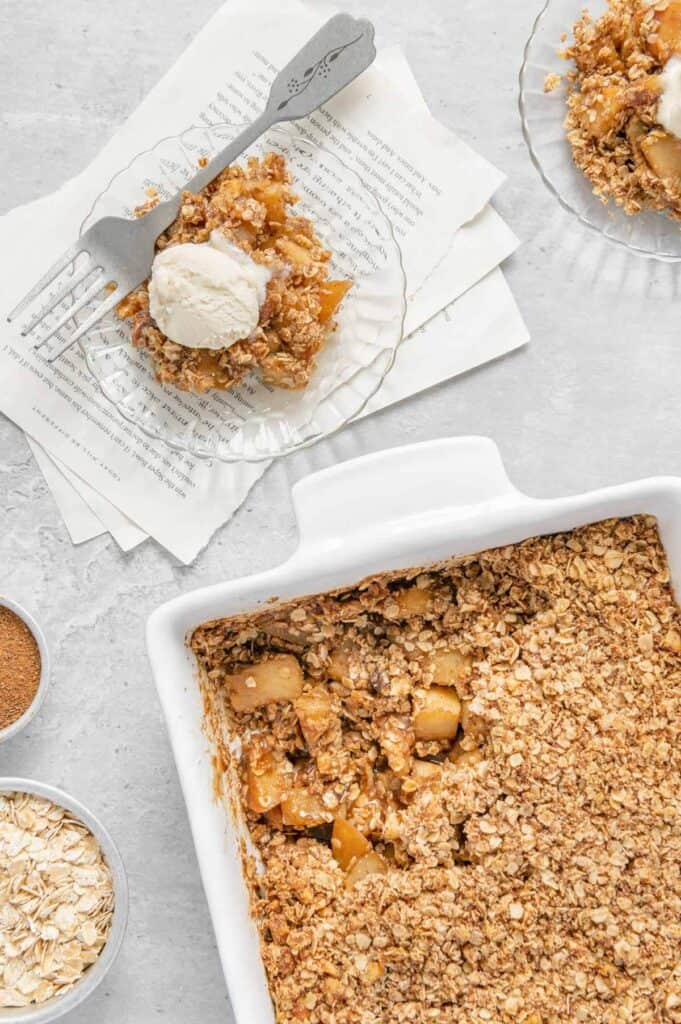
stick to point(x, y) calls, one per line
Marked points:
point(340, 51)
point(333, 57)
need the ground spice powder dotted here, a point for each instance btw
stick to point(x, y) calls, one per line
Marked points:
point(19, 667)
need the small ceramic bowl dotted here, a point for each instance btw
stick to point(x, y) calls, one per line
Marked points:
point(14, 727)
point(85, 986)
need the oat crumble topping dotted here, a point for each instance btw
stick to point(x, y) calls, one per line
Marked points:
point(612, 122)
point(251, 205)
point(463, 782)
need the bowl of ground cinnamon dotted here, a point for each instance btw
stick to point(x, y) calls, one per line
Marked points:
point(24, 668)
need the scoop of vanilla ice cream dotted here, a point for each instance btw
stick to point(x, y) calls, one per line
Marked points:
point(669, 107)
point(206, 295)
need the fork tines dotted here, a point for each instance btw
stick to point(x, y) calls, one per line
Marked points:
point(68, 275)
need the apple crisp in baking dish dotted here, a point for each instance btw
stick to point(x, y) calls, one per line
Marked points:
point(462, 783)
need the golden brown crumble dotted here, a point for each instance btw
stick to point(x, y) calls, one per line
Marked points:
point(509, 854)
point(612, 107)
point(251, 206)
point(551, 82)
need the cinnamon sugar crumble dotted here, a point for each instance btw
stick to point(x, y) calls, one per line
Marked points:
point(463, 783)
point(612, 122)
point(20, 667)
point(251, 206)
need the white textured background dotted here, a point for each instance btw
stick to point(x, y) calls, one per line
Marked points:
point(593, 400)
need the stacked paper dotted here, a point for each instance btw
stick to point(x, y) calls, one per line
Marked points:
point(108, 476)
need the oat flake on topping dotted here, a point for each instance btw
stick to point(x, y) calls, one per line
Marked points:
point(56, 900)
point(253, 205)
point(536, 881)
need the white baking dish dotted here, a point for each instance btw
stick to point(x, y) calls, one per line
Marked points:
point(398, 508)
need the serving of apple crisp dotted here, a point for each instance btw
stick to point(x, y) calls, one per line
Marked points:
point(463, 784)
point(624, 103)
point(239, 284)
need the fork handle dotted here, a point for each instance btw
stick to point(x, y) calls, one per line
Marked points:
point(230, 153)
point(341, 49)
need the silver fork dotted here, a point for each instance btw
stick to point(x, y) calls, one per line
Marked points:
point(115, 255)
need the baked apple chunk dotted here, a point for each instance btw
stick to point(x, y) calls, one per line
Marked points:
point(279, 678)
point(439, 714)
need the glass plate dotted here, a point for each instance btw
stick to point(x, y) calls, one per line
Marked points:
point(253, 422)
point(647, 233)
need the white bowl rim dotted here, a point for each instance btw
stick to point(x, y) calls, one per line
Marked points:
point(85, 986)
point(650, 254)
point(34, 707)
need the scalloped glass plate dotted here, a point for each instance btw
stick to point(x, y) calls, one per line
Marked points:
point(253, 422)
point(648, 233)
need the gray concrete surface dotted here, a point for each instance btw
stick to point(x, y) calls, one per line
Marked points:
point(592, 400)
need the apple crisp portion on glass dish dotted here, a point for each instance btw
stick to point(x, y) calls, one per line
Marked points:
point(250, 207)
point(462, 782)
point(624, 103)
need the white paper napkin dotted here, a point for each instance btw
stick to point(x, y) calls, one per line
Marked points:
point(61, 406)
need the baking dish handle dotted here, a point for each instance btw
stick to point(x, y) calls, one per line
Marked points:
point(398, 484)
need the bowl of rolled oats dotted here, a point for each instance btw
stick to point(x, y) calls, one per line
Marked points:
point(63, 902)
point(592, 86)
